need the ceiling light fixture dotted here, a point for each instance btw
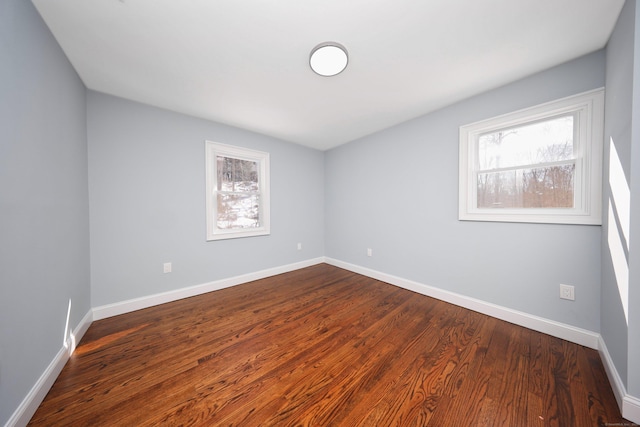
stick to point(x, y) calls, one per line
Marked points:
point(328, 59)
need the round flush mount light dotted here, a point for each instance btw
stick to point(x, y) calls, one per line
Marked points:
point(328, 59)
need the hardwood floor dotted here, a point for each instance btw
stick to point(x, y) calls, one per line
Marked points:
point(324, 347)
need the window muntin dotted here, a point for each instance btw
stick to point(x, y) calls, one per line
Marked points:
point(542, 164)
point(237, 192)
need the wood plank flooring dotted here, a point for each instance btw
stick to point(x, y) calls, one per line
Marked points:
point(323, 346)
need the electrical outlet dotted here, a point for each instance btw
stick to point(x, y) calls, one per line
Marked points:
point(166, 267)
point(299, 246)
point(567, 292)
point(369, 252)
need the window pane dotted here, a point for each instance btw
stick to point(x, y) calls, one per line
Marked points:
point(237, 175)
point(236, 211)
point(541, 142)
point(549, 187)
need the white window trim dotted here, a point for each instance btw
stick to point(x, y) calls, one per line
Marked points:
point(214, 149)
point(589, 109)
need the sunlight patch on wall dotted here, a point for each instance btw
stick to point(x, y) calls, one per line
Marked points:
point(69, 340)
point(620, 192)
point(619, 260)
point(618, 226)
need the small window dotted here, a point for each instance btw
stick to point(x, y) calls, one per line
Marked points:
point(542, 164)
point(237, 192)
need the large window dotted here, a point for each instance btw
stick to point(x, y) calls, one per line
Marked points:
point(237, 192)
point(542, 164)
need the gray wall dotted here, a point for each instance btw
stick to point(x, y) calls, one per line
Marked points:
point(618, 120)
point(147, 199)
point(44, 215)
point(396, 192)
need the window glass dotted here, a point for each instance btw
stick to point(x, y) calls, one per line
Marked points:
point(515, 153)
point(547, 187)
point(238, 211)
point(545, 141)
point(236, 174)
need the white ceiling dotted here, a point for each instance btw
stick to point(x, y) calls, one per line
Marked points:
point(245, 62)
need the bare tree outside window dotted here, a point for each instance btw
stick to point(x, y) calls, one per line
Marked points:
point(238, 196)
point(530, 166)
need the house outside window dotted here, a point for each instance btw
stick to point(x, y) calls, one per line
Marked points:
point(542, 164)
point(237, 192)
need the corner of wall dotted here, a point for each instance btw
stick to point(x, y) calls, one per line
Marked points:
point(38, 392)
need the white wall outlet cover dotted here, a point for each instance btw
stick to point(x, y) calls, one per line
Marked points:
point(567, 292)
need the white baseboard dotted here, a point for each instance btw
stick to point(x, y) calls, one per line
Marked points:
point(619, 390)
point(36, 395)
point(631, 408)
point(128, 306)
point(629, 405)
point(540, 324)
